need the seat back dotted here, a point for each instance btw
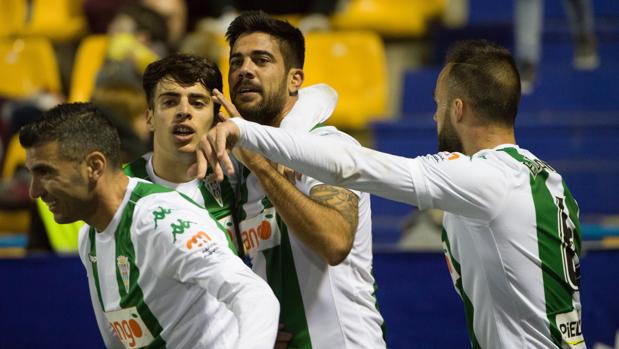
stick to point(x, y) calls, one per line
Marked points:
point(354, 64)
point(88, 60)
point(27, 66)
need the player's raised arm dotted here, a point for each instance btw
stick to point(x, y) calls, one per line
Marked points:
point(329, 160)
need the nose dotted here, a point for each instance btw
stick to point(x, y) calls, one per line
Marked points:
point(246, 69)
point(36, 189)
point(183, 110)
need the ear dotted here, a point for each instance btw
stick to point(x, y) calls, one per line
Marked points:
point(457, 109)
point(96, 163)
point(295, 80)
point(149, 120)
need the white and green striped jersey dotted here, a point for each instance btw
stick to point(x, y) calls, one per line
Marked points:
point(511, 230)
point(217, 198)
point(323, 306)
point(163, 275)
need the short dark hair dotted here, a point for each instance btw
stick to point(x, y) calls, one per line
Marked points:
point(183, 69)
point(484, 75)
point(291, 40)
point(79, 129)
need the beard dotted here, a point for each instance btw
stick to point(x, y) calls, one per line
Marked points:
point(267, 110)
point(448, 139)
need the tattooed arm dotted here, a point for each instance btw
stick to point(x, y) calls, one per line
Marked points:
point(325, 221)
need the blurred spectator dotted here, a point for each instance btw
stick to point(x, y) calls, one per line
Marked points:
point(528, 37)
point(138, 37)
point(175, 14)
point(315, 14)
point(125, 106)
point(204, 44)
point(100, 13)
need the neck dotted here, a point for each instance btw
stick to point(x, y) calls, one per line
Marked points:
point(487, 137)
point(173, 167)
point(110, 192)
point(290, 102)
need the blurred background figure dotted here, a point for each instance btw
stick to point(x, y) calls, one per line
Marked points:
point(528, 21)
point(138, 36)
point(311, 15)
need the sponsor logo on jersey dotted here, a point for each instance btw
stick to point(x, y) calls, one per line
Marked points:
point(571, 331)
point(453, 156)
point(213, 187)
point(536, 166)
point(123, 267)
point(444, 156)
point(160, 214)
point(129, 327)
point(261, 232)
point(179, 228)
point(199, 240)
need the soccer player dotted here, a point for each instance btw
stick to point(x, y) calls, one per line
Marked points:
point(160, 271)
point(511, 230)
point(181, 109)
point(311, 241)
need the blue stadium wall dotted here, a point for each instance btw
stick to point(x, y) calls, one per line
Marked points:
point(44, 302)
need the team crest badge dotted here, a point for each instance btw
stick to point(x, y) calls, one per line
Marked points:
point(214, 188)
point(123, 266)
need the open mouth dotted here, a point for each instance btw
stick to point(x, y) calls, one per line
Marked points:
point(183, 132)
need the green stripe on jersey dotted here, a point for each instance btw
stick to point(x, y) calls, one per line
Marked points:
point(136, 169)
point(125, 248)
point(469, 310)
point(283, 279)
point(93, 259)
point(557, 292)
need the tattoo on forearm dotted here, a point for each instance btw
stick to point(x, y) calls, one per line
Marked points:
point(340, 199)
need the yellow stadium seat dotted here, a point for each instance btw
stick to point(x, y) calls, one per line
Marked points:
point(13, 220)
point(11, 17)
point(27, 66)
point(354, 64)
point(88, 59)
point(392, 18)
point(59, 20)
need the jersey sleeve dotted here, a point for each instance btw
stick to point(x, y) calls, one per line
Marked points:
point(328, 132)
point(188, 246)
point(465, 186)
point(315, 105)
point(332, 161)
point(473, 187)
point(109, 338)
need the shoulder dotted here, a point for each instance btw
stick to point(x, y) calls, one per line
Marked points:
point(137, 168)
point(333, 133)
point(83, 243)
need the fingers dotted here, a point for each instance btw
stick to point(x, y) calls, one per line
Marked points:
point(218, 139)
point(205, 155)
point(226, 103)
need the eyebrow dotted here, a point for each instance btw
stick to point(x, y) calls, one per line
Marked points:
point(176, 94)
point(254, 53)
point(39, 168)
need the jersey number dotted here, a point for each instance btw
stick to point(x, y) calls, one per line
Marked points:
point(571, 263)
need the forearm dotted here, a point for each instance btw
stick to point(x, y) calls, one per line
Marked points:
point(322, 228)
point(256, 309)
point(332, 161)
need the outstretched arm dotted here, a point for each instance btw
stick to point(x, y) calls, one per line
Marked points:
point(328, 160)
